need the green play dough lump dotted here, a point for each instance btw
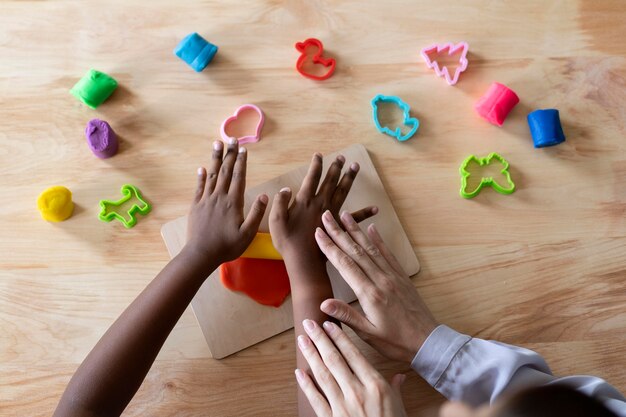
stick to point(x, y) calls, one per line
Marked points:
point(94, 88)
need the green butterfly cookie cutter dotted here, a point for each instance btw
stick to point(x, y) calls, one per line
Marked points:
point(485, 181)
point(109, 209)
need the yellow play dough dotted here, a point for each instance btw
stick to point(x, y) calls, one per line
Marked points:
point(262, 248)
point(55, 204)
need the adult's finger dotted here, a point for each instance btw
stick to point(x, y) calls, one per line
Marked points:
point(367, 247)
point(342, 190)
point(327, 189)
point(214, 167)
point(316, 399)
point(396, 383)
point(349, 270)
point(364, 213)
point(353, 356)
point(354, 250)
point(252, 221)
point(312, 178)
point(226, 171)
point(201, 183)
point(346, 314)
point(333, 360)
point(323, 376)
point(377, 240)
point(238, 183)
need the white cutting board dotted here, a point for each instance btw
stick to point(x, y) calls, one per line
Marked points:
point(231, 321)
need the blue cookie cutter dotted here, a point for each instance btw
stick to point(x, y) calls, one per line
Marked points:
point(196, 51)
point(412, 122)
point(545, 127)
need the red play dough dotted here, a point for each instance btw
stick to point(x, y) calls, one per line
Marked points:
point(264, 280)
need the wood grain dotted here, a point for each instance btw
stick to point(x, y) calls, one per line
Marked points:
point(544, 267)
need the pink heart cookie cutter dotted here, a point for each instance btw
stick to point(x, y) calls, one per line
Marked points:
point(244, 139)
point(452, 49)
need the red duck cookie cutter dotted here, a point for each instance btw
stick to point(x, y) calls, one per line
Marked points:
point(309, 57)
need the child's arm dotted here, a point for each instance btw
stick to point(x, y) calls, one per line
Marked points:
point(293, 227)
point(108, 378)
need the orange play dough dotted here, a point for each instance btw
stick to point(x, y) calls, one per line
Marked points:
point(264, 280)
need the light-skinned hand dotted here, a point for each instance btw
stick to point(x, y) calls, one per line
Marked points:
point(395, 320)
point(347, 384)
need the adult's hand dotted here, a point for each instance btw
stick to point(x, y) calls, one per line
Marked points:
point(395, 320)
point(347, 384)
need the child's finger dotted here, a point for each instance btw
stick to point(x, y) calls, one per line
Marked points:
point(333, 360)
point(252, 221)
point(364, 213)
point(226, 172)
point(357, 362)
point(312, 178)
point(238, 183)
point(377, 240)
point(201, 183)
point(346, 314)
point(349, 270)
point(316, 399)
point(329, 185)
point(323, 376)
point(343, 189)
point(280, 208)
point(214, 167)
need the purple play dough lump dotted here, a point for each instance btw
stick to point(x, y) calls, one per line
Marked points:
point(101, 139)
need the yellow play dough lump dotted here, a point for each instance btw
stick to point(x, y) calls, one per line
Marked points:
point(262, 248)
point(55, 204)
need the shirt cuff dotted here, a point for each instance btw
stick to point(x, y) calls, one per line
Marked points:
point(435, 355)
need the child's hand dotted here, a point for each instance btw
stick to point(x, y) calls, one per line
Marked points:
point(216, 229)
point(347, 384)
point(293, 228)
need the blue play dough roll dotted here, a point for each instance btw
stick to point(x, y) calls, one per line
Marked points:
point(545, 127)
point(196, 51)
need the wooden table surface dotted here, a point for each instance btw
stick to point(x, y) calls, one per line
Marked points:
point(544, 267)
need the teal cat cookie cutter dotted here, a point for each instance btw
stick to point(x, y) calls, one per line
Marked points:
point(110, 210)
point(408, 121)
point(485, 181)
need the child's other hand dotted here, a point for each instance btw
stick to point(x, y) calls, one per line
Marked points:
point(293, 228)
point(216, 229)
point(347, 384)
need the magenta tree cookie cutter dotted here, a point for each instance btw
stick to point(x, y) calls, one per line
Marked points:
point(248, 138)
point(452, 49)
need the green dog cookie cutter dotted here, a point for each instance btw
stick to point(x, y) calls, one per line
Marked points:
point(128, 218)
point(485, 181)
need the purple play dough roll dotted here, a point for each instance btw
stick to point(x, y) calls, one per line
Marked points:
point(101, 139)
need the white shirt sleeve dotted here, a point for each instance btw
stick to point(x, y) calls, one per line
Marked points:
point(478, 371)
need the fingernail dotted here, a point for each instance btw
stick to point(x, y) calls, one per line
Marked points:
point(355, 167)
point(341, 158)
point(200, 171)
point(347, 216)
point(329, 309)
point(309, 325)
point(299, 375)
point(318, 231)
point(217, 145)
point(232, 141)
point(374, 210)
point(328, 326)
point(317, 155)
point(303, 342)
point(264, 199)
point(328, 215)
point(242, 150)
point(285, 190)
